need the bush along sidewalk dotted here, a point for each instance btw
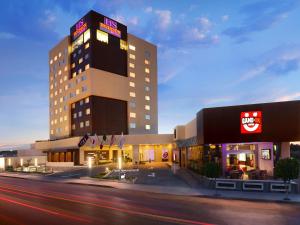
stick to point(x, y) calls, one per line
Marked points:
point(287, 169)
point(212, 170)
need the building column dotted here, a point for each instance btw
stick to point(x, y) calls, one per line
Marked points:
point(81, 156)
point(285, 150)
point(135, 154)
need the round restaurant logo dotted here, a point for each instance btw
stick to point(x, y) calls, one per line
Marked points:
point(251, 122)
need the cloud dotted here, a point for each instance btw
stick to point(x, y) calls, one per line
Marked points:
point(164, 18)
point(225, 18)
point(260, 16)
point(149, 9)
point(277, 62)
point(7, 36)
point(289, 97)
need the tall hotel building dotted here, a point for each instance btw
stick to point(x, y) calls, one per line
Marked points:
point(102, 80)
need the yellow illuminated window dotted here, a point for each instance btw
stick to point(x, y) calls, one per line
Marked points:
point(87, 66)
point(88, 111)
point(74, 74)
point(87, 100)
point(132, 115)
point(147, 70)
point(132, 94)
point(123, 44)
point(102, 36)
point(77, 42)
point(77, 91)
point(80, 60)
point(59, 54)
point(148, 127)
point(131, 74)
point(73, 106)
point(132, 47)
point(87, 123)
point(65, 78)
point(86, 35)
point(73, 65)
point(131, 56)
point(147, 107)
point(66, 68)
point(147, 98)
point(65, 118)
point(131, 84)
point(146, 62)
point(51, 132)
point(55, 58)
point(147, 79)
point(131, 65)
point(87, 45)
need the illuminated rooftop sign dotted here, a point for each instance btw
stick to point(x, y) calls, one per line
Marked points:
point(251, 122)
point(110, 27)
point(81, 26)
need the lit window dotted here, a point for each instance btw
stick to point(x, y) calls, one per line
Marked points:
point(66, 87)
point(80, 114)
point(131, 56)
point(87, 100)
point(60, 81)
point(51, 61)
point(65, 78)
point(77, 42)
point(60, 90)
point(88, 111)
point(87, 123)
point(132, 94)
point(59, 54)
point(131, 65)
point(147, 70)
point(65, 118)
point(79, 71)
point(147, 98)
point(132, 47)
point(86, 35)
point(147, 79)
point(56, 111)
point(148, 127)
point(147, 62)
point(51, 132)
point(102, 36)
point(131, 84)
point(55, 102)
point(73, 106)
point(66, 68)
point(55, 93)
point(132, 104)
point(123, 44)
point(132, 125)
point(80, 60)
point(81, 124)
point(147, 88)
point(84, 88)
point(87, 66)
point(59, 72)
point(55, 121)
point(147, 107)
point(132, 115)
point(75, 115)
point(61, 119)
point(77, 91)
point(51, 86)
point(61, 99)
point(147, 117)
point(73, 65)
point(87, 45)
point(74, 74)
point(51, 122)
point(81, 102)
point(55, 58)
point(73, 126)
point(131, 74)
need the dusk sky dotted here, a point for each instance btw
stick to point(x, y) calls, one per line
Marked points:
point(210, 53)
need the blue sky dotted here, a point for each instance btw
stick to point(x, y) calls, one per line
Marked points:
point(210, 53)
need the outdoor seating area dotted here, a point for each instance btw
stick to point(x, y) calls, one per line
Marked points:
point(254, 174)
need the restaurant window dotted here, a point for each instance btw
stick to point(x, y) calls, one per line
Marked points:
point(86, 35)
point(102, 36)
point(123, 44)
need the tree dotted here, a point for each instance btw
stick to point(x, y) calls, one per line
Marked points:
point(287, 169)
point(212, 170)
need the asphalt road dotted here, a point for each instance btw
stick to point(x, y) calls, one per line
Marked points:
point(35, 202)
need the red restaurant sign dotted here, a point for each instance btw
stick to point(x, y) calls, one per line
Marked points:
point(251, 122)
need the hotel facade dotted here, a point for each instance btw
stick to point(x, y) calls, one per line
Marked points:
point(103, 83)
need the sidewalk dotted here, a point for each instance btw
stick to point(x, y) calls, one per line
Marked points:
point(186, 191)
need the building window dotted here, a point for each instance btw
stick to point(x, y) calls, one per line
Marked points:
point(84, 88)
point(102, 36)
point(132, 104)
point(87, 66)
point(77, 91)
point(87, 100)
point(86, 56)
point(51, 61)
point(81, 102)
point(131, 74)
point(148, 127)
point(147, 117)
point(65, 118)
point(66, 68)
point(131, 84)
point(132, 125)
point(74, 74)
point(131, 65)
point(59, 72)
point(147, 88)
point(88, 111)
point(86, 35)
point(147, 62)
point(55, 58)
point(74, 115)
point(147, 79)
point(65, 78)
point(73, 126)
point(147, 98)
point(132, 94)
point(87, 123)
point(132, 47)
point(132, 115)
point(80, 60)
point(77, 43)
point(131, 56)
point(59, 54)
point(83, 78)
point(73, 106)
point(81, 124)
point(87, 45)
point(147, 107)
point(79, 114)
point(147, 54)
point(147, 70)
point(51, 132)
point(123, 44)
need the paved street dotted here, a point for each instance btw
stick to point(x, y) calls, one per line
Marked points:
point(35, 202)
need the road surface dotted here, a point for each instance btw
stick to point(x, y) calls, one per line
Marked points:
point(39, 202)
